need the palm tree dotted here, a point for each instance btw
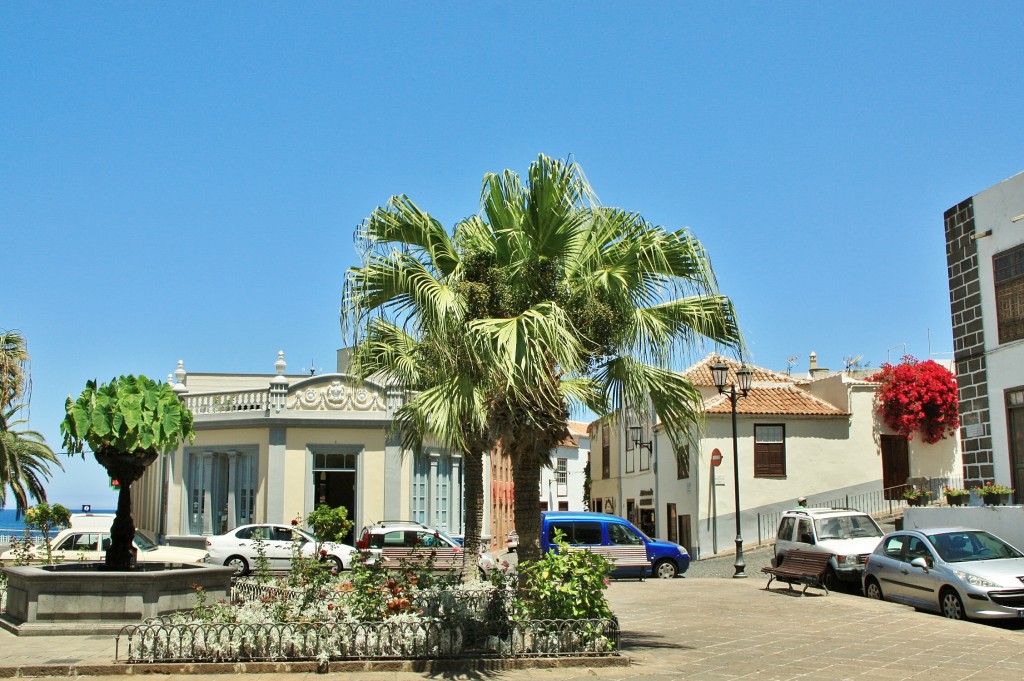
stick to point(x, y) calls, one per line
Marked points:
point(25, 459)
point(24, 455)
point(563, 303)
point(447, 406)
point(419, 285)
point(13, 359)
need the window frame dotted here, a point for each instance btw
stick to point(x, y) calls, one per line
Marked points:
point(769, 448)
point(1008, 282)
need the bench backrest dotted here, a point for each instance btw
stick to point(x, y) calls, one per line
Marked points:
point(811, 561)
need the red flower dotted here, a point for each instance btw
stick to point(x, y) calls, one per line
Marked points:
point(330, 606)
point(918, 397)
point(323, 552)
point(295, 522)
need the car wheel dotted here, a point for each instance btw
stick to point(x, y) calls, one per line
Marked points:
point(951, 605)
point(873, 590)
point(335, 562)
point(240, 564)
point(665, 569)
point(830, 580)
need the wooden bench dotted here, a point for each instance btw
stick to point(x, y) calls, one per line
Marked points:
point(623, 557)
point(803, 567)
point(445, 558)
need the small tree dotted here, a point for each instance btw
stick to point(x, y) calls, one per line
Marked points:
point(918, 397)
point(46, 518)
point(127, 423)
point(329, 524)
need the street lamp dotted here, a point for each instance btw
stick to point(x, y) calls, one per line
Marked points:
point(720, 374)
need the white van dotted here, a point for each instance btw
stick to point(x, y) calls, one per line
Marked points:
point(846, 533)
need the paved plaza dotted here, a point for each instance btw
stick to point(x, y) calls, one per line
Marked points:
point(681, 629)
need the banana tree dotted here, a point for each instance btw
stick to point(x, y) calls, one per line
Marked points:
point(127, 424)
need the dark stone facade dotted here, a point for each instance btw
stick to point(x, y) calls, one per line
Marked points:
point(969, 344)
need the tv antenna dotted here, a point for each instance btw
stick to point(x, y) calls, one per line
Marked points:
point(790, 363)
point(313, 370)
point(852, 362)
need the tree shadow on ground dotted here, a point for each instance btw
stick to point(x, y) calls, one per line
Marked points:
point(633, 639)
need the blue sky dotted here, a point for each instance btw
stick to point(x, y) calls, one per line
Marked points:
point(182, 180)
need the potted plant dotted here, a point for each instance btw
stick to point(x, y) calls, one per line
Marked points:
point(917, 496)
point(956, 497)
point(127, 424)
point(994, 495)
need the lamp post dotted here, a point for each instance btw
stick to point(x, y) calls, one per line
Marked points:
point(720, 374)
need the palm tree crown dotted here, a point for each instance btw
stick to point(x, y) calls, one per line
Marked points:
point(558, 301)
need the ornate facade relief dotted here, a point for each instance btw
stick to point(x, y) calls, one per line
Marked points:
point(336, 396)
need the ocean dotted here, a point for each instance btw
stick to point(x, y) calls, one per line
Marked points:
point(13, 528)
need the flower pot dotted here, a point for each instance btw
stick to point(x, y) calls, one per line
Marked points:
point(996, 499)
point(915, 501)
point(958, 500)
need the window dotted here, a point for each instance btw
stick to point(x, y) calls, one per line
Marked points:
point(437, 491)
point(623, 536)
point(683, 462)
point(1008, 269)
point(769, 451)
point(562, 476)
point(606, 453)
point(786, 528)
point(221, 489)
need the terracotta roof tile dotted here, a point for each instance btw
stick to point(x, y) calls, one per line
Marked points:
point(781, 400)
point(700, 373)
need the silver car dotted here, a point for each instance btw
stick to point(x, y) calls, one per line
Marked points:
point(958, 572)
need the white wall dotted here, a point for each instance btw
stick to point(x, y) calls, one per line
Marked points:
point(1006, 522)
point(994, 209)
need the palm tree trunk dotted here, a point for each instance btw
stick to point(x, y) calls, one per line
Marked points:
point(526, 478)
point(474, 507)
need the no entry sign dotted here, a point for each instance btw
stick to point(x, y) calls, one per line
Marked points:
point(716, 457)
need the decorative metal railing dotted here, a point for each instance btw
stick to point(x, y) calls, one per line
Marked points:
point(880, 503)
point(162, 641)
point(226, 402)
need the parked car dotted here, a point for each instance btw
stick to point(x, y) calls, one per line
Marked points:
point(89, 544)
point(632, 551)
point(959, 572)
point(238, 548)
point(395, 541)
point(846, 533)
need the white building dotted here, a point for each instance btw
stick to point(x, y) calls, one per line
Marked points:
point(985, 258)
point(818, 438)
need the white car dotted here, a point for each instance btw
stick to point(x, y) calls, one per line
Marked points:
point(90, 545)
point(238, 548)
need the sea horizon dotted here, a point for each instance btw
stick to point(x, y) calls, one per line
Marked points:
point(9, 520)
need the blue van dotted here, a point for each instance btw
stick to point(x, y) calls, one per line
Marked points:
point(615, 538)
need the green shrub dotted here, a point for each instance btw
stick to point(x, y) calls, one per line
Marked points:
point(565, 583)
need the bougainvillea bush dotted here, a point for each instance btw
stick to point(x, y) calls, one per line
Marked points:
point(918, 397)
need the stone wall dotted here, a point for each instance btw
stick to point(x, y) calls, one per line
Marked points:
point(969, 343)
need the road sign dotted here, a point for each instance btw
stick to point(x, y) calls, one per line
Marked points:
point(716, 457)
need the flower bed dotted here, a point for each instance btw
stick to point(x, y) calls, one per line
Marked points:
point(405, 637)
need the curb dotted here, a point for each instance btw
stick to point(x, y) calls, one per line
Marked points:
point(311, 667)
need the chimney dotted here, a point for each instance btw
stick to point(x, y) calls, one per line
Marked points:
point(815, 371)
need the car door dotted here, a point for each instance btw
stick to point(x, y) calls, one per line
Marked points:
point(920, 586)
point(627, 549)
point(784, 537)
point(886, 566)
point(279, 547)
point(82, 546)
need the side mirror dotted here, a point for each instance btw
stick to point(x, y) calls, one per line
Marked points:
point(920, 562)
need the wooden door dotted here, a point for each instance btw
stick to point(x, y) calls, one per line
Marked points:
point(895, 466)
point(1015, 420)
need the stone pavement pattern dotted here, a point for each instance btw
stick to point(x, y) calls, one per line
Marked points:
point(694, 629)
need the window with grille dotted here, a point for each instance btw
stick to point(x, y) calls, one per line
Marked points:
point(769, 451)
point(1009, 280)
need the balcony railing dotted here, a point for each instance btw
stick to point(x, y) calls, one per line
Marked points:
point(228, 402)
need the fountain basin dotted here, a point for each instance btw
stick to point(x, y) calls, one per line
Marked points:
point(77, 598)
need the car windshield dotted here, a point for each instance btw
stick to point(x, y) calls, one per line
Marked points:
point(847, 527)
point(965, 546)
point(144, 542)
